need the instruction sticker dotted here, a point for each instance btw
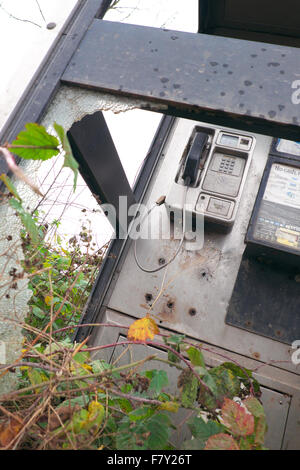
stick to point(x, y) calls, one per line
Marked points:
point(283, 186)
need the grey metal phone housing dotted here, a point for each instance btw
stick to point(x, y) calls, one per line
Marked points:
point(219, 186)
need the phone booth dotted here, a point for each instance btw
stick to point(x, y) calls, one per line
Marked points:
point(227, 273)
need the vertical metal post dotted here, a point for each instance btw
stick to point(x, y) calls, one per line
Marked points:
point(100, 165)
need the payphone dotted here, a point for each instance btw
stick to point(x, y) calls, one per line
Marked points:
point(214, 165)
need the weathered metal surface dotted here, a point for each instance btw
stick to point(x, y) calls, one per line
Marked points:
point(266, 300)
point(242, 84)
point(198, 285)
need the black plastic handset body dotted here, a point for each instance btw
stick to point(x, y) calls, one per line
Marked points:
point(194, 157)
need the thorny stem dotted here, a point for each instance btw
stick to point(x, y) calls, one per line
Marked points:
point(159, 345)
point(12, 395)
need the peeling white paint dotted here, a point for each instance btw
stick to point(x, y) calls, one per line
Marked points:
point(13, 309)
point(71, 104)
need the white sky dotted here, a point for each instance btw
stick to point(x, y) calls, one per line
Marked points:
point(23, 47)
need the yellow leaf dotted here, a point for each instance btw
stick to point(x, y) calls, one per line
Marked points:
point(143, 329)
point(96, 412)
point(36, 377)
point(170, 406)
point(48, 300)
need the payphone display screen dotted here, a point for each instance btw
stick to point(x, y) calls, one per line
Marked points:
point(278, 219)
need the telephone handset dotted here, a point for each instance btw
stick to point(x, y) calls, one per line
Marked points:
point(214, 166)
point(195, 157)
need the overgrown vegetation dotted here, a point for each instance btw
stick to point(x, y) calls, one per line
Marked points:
point(72, 274)
point(69, 397)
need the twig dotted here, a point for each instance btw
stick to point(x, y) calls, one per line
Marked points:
point(18, 19)
point(148, 401)
point(41, 12)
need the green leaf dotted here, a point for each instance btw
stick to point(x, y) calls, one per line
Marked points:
point(193, 444)
point(82, 401)
point(245, 375)
point(82, 357)
point(201, 371)
point(70, 161)
point(129, 435)
point(227, 383)
point(36, 377)
point(260, 424)
point(125, 405)
point(237, 370)
point(188, 385)
point(159, 427)
point(140, 413)
point(175, 339)
point(202, 430)
point(26, 220)
point(10, 186)
point(223, 383)
point(38, 312)
point(196, 357)
point(35, 136)
point(159, 380)
point(255, 407)
point(99, 366)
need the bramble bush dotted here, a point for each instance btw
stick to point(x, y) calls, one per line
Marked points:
point(68, 396)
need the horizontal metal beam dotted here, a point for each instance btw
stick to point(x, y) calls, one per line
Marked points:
point(241, 84)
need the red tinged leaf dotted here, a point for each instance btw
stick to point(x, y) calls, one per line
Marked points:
point(8, 431)
point(221, 442)
point(256, 408)
point(237, 419)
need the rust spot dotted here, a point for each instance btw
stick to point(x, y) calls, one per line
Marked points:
point(256, 355)
point(192, 312)
point(168, 311)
